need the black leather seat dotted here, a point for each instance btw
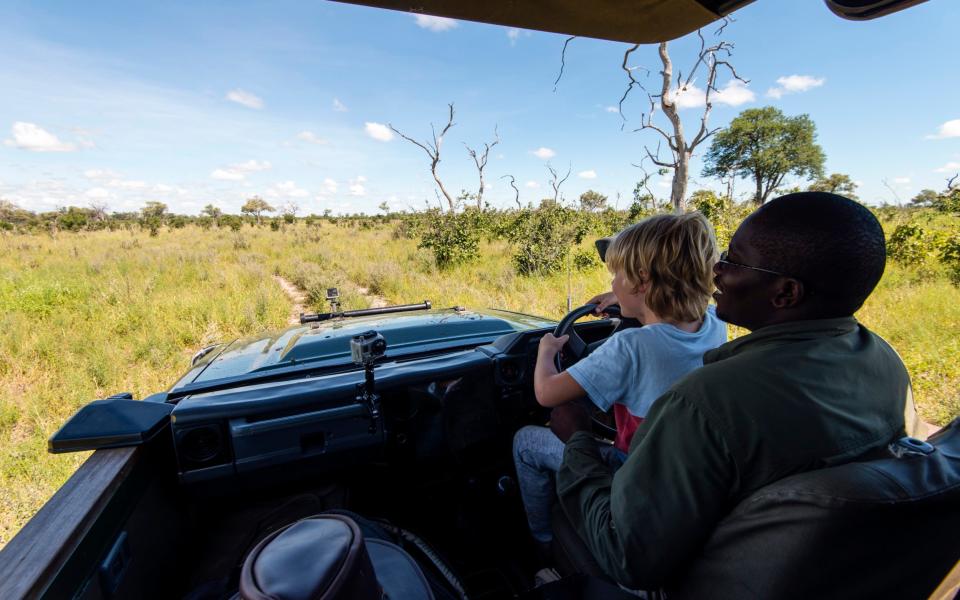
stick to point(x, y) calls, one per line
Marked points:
point(888, 527)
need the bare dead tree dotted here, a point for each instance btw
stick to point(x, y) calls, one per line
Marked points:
point(513, 184)
point(563, 61)
point(951, 182)
point(711, 58)
point(481, 161)
point(433, 151)
point(98, 211)
point(554, 182)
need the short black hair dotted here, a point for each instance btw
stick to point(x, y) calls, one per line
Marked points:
point(834, 245)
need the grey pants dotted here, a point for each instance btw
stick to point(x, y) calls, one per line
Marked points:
point(537, 455)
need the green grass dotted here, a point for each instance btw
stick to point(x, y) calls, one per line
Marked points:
point(86, 315)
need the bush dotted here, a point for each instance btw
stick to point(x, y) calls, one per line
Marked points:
point(905, 244)
point(451, 237)
point(586, 260)
point(542, 239)
point(949, 252)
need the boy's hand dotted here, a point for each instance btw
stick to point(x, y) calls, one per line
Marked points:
point(550, 345)
point(603, 301)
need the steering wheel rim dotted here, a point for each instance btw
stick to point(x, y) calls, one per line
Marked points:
point(575, 345)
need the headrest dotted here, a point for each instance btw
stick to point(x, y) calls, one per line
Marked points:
point(860, 529)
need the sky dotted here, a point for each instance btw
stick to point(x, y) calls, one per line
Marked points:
point(196, 103)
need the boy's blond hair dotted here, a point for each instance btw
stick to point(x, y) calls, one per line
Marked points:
point(676, 254)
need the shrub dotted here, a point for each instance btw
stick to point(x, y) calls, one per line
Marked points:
point(542, 239)
point(905, 244)
point(949, 252)
point(586, 260)
point(451, 237)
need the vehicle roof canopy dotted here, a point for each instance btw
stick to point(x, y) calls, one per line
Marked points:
point(632, 21)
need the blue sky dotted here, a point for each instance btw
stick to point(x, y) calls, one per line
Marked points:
point(188, 103)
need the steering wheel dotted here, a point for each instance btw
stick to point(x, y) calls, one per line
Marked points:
point(576, 348)
point(603, 422)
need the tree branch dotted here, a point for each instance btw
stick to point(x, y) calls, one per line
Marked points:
point(563, 61)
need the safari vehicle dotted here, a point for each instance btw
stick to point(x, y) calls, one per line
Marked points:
point(403, 416)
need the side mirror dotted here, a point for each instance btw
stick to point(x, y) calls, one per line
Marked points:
point(111, 423)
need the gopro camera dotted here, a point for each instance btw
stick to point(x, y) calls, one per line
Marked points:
point(367, 347)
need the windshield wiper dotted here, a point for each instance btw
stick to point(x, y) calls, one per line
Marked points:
point(363, 312)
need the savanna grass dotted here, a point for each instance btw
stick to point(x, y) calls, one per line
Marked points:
point(86, 315)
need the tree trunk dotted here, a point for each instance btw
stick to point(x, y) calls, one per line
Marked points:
point(446, 194)
point(669, 105)
point(680, 176)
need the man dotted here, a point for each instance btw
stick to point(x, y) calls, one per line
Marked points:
point(808, 388)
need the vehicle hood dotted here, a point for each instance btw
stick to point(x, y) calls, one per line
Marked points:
point(327, 343)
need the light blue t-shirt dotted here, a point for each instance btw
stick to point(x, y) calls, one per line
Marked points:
point(636, 366)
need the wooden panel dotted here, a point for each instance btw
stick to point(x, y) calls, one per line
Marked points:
point(39, 550)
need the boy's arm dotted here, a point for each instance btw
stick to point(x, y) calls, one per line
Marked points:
point(550, 387)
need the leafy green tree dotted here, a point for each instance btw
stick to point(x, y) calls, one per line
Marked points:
point(835, 183)
point(925, 198)
point(154, 210)
point(73, 218)
point(385, 207)
point(256, 206)
point(707, 202)
point(948, 201)
point(591, 200)
point(452, 237)
point(211, 211)
point(765, 145)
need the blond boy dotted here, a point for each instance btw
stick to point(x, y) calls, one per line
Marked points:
point(662, 275)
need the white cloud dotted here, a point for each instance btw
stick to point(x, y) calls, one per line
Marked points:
point(356, 186)
point(544, 153)
point(591, 174)
point(245, 98)
point(532, 185)
point(286, 189)
point(947, 130)
point(97, 193)
point(309, 136)
point(100, 174)
point(227, 175)
point(435, 23)
point(901, 180)
point(239, 171)
point(329, 186)
point(611, 109)
point(688, 97)
point(30, 136)
point(378, 131)
point(127, 184)
point(734, 93)
point(792, 84)
point(512, 34)
point(339, 106)
point(949, 167)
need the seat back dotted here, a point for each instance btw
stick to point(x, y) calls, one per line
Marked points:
point(888, 527)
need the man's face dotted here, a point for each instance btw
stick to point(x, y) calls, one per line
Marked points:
point(743, 295)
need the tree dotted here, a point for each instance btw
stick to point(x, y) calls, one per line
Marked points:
point(256, 206)
point(836, 183)
point(766, 145)
point(98, 211)
point(924, 198)
point(516, 192)
point(433, 151)
point(385, 207)
point(481, 161)
point(679, 147)
point(211, 211)
point(556, 181)
point(591, 200)
point(154, 210)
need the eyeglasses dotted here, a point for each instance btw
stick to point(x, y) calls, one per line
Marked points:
point(723, 260)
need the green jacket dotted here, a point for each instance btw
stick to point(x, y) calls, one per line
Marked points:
point(785, 399)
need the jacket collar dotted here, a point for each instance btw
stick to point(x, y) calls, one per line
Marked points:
point(784, 332)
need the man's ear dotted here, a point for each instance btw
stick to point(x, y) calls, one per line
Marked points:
point(789, 293)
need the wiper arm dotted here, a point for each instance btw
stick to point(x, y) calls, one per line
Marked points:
point(363, 312)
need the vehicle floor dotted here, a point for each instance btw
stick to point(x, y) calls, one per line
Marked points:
point(476, 525)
